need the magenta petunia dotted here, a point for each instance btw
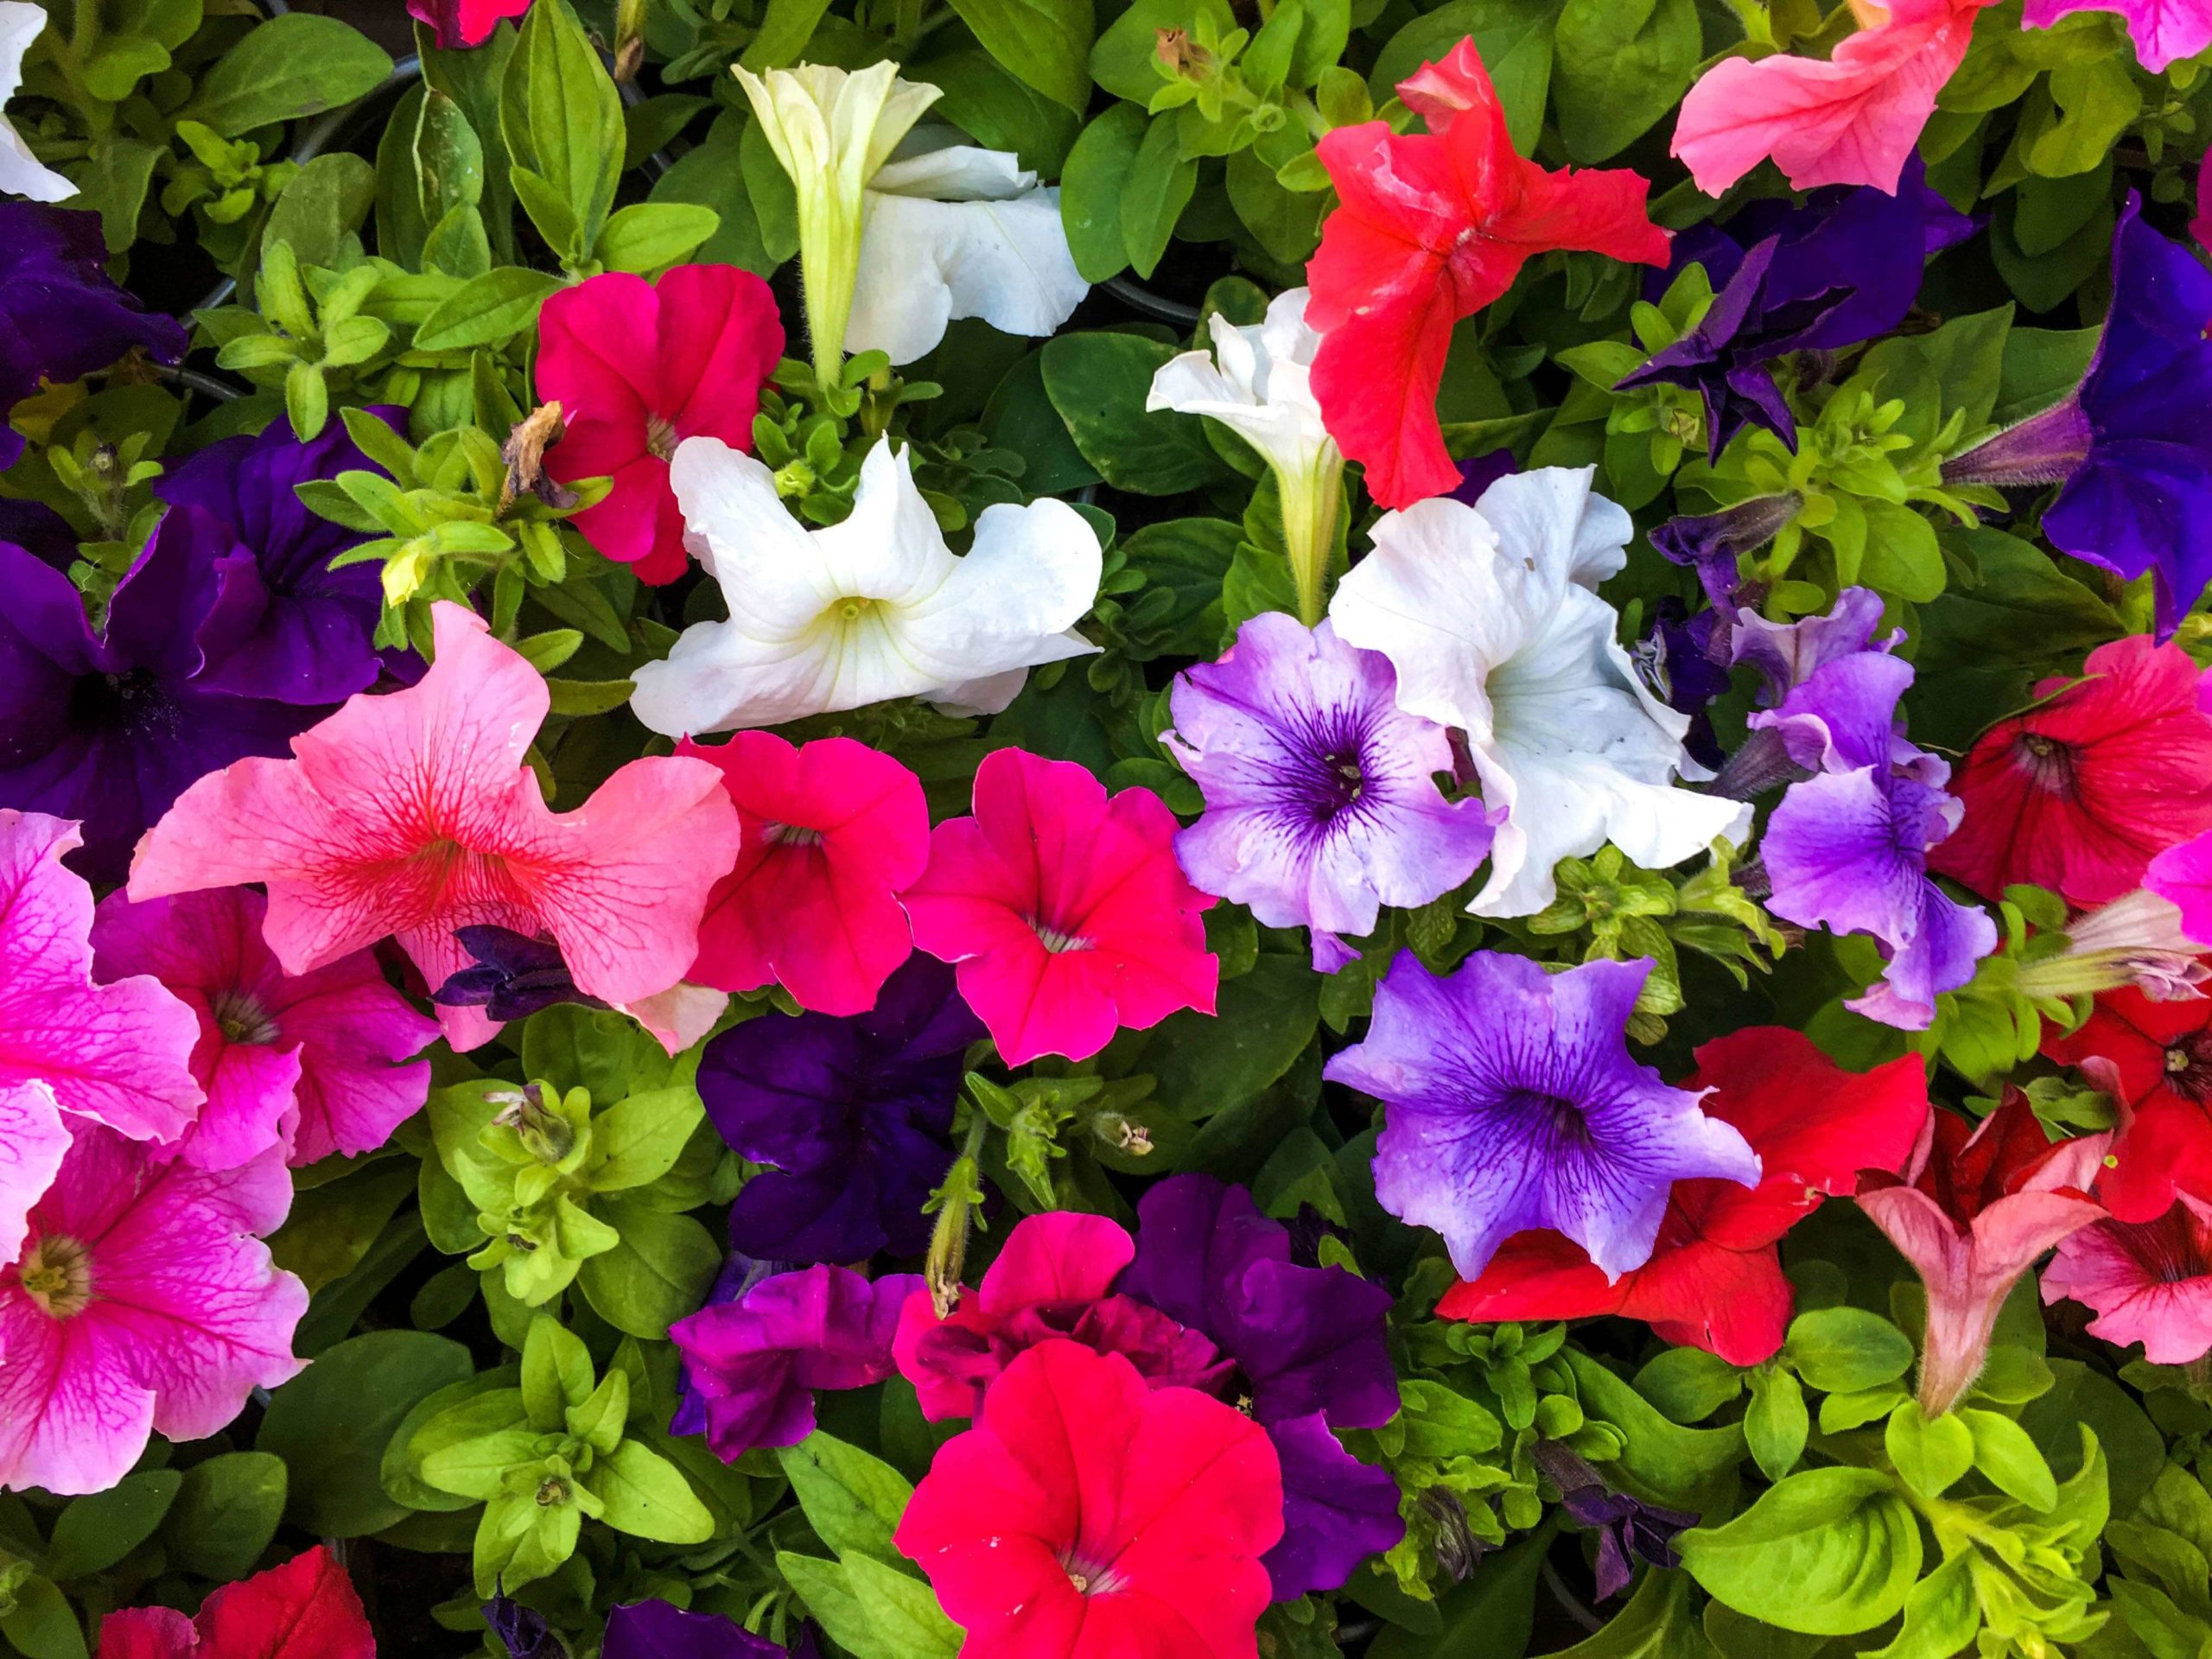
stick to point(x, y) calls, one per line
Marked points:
point(143, 1301)
point(2149, 1281)
point(316, 1063)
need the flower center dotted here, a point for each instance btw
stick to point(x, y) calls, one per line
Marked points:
point(792, 834)
point(2189, 1066)
point(851, 610)
point(1088, 1579)
point(2048, 763)
point(57, 1273)
point(661, 437)
point(132, 701)
point(1568, 1123)
point(1058, 942)
point(241, 1019)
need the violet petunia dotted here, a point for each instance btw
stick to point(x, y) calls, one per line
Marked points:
point(1512, 1102)
point(1712, 543)
point(850, 1114)
point(61, 317)
point(523, 1631)
point(1321, 798)
point(1829, 692)
point(660, 1629)
point(512, 976)
point(754, 1363)
point(1337, 1511)
point(1628, 1531)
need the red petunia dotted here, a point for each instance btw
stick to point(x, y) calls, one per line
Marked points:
point(1087, 1516)
point(2159, 1055)
point(832, 832)
point(1432, 227)
point(305, 1609)
point(2080, 794)
point(465, 23)
point(1714, 1280)
point(637, 368)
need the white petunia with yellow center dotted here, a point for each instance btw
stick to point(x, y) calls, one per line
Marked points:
point(1491, 617)
point(861, 612)
point(21, 174)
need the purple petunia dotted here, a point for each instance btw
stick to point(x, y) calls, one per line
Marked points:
point(850, 1113)
point(658, 1630)
point(1512, 1103)
point(1321, 798)
point(511, 976)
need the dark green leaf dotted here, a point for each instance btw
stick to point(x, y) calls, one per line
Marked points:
point(295, 65)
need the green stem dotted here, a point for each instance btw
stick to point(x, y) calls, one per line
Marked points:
point(1311, 503)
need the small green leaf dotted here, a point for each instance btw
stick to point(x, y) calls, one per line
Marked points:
point(647, 1497)
point(2008, 1459)
point(852, 1500)
point(1845, 1350)
point(488, 310)
point(1930, 1452)
point(94, 1533)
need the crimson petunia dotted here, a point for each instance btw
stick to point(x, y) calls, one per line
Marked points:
point(305, 1609)
point(637, 367)
point(1714, 1280)
point(2159, 1055)
point(1432, 227)
point(2082, 792)
point(465, 23)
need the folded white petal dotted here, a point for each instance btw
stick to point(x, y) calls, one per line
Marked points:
point(1552, 516)
point(21, 173)
point(934, 163)
point(1254, 382)
point(924, 262)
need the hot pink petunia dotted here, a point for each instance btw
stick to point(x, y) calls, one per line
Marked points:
point(119, 1054)
point(144, 1300)
point(2150, 1282)
point(832, 832)
point(312, 1063)
point(465, 23)
point(2163, 30)
point(1973, 1211)
point(1067, 912)
point(2082, 792)
point(33, 1139)
point(413, 814)
point(1850, 119)
point(1087, 1516)
point(1432, 227)
point(637, 368)
point(1054, 1279)
point(305, 1609)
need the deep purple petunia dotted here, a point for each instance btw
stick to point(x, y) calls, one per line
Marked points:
point(2131, 442)
point(311, 642)
point(1712, 544)
point(511, 977)
point(660, 1629)
point(1628, 1531)
point(1683, 659)
point(1321, 798)
point(110, 727)
point(523, 1631)
point(1337, 1511)
point(754, 1363)
point(850, 1113)
point(1512, 1103)
point(1844, 268)
point(60, 317)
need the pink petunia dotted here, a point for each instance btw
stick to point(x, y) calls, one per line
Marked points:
point(2163, 30)
point(1066, 912)
point(143, 1301)
point(832, 832)
point(2150, 1282)
point(413, 814)
point(638, 367)
point(313, 1062)
point(1850, 119)
point(119, 1054)
point(464, 22)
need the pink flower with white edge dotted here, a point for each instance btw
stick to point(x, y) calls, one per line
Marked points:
point(2150, 1281)
point(143, 1300)
point(1066, 911)
point(832, 832)
point(413, 814)
point(314, 1063)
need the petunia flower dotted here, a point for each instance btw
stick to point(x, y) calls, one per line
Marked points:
point(2155, 1059)
point(2137, 940)
point(523, 1631)
point(458, 24)
point(510, 976)
point(1973, 1210)
point(948, 230)
point(1714, 1280)
point(2099, 777)
point(833, 132)
point(2148, 1281)
point(413, 814)
point(876, 607)
point(2134, 464)
point(1432, 227)
point(1491, 618)
point(1087, 1513)
point(1257, 382)
point(1512, 1103)
point(754, 1362)
point(315, 1064)
point(2164, 31)
point(1065, 911)
point(305, 1609)
point(1337, 1511)
point(1321, 798)
point(637, 367)
point(850, 1117)
point(23, 173)
point(117, 1054)
point(110, 727)
point(144, 1301)
point(1628, 1531)
point(658, 1630)
point(832, 831)
point(1829, 688)
point(1851, 118)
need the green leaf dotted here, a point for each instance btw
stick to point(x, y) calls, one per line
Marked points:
point(562, 122)
point(226, 1514)
point(43, 1625)
point(711, 174)
point(646, 1496)
point(651, 235)
point(1657, 1623)
point(478, 1468)
point(775, 201)
point(557, 1373)
point(1689, 1384)
point(1662, 1462)
point(307, 399)
point(1776, 1422)
point(1930, 1453)
point(1046, 43)
point(1489, 1616)
point(289, 67)
point(94, 1533)
point(1828, 1552)
point(784, 34)
point(2008, 1459)
point(1515, 38)
point(1091, 191)
point(657, 1274)
point(2097, 99)
point(1159, 187)
point(1000, 111)
point(1847, 1349)
point(853, 1501)
point(113, 183)
point(1941, 1616)
point(827, 1590)
point(2040, 367)
point(448, 159)
point(904, 1621)
point(1618, 66)
point(488, 310)
point(1098, 382)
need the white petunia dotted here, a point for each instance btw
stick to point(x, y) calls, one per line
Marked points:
point(1491, 618)
point(1254, 382)
point(952, 231)
point(21, 174)
point(876, 607)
